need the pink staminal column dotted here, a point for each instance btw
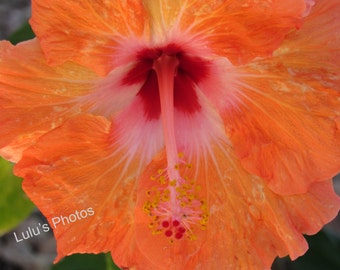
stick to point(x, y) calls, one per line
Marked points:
point(166, 67)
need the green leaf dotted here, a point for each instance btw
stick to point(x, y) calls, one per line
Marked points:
point(14, 204)
point(23, 33)
point(86, 262)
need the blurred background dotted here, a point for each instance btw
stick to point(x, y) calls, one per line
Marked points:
point(17, 213)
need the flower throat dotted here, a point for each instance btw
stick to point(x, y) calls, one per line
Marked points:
point(189, 72)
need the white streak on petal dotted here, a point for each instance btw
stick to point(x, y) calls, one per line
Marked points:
point(110, 95)
point(138, 135)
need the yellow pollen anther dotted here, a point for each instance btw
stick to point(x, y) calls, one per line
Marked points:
point(183, 204)
point(173, 183)
point(161, 179)
point(175, 206)
point(192, 237)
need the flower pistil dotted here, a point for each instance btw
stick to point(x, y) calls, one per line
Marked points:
point(174, 203)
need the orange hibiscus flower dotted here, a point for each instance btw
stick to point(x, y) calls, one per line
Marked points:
point(177, 134)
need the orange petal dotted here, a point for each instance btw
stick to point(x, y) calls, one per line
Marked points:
point(34, 97)
point(81, 171)
point(94, 165)
point(241, 30)
point(285, 126)
point(86, 32)
point(248, 224)
point(315, 47)
point(292, 138)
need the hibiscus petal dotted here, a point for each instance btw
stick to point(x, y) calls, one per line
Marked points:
point(238, 30)
point(62, 176)
point(34, 97)
point(284, 121)
point(86, 32)
point(97, 165)
point(316, 45)
point(94, 166)
point(291, 143)
point(248, 225)
point(262, 224)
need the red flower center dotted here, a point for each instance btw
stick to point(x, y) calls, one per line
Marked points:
point(191, 70)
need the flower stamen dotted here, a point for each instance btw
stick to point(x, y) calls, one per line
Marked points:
point(180, 216)
point(174, 204)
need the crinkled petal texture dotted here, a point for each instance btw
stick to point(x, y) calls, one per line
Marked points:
point(262, 144)
point(249, 225)
point(230, 28)
point(94, 165)
point(239, 30)
point(285, 120)
point(90, 168)
point(35, 97)
point(86, 31)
